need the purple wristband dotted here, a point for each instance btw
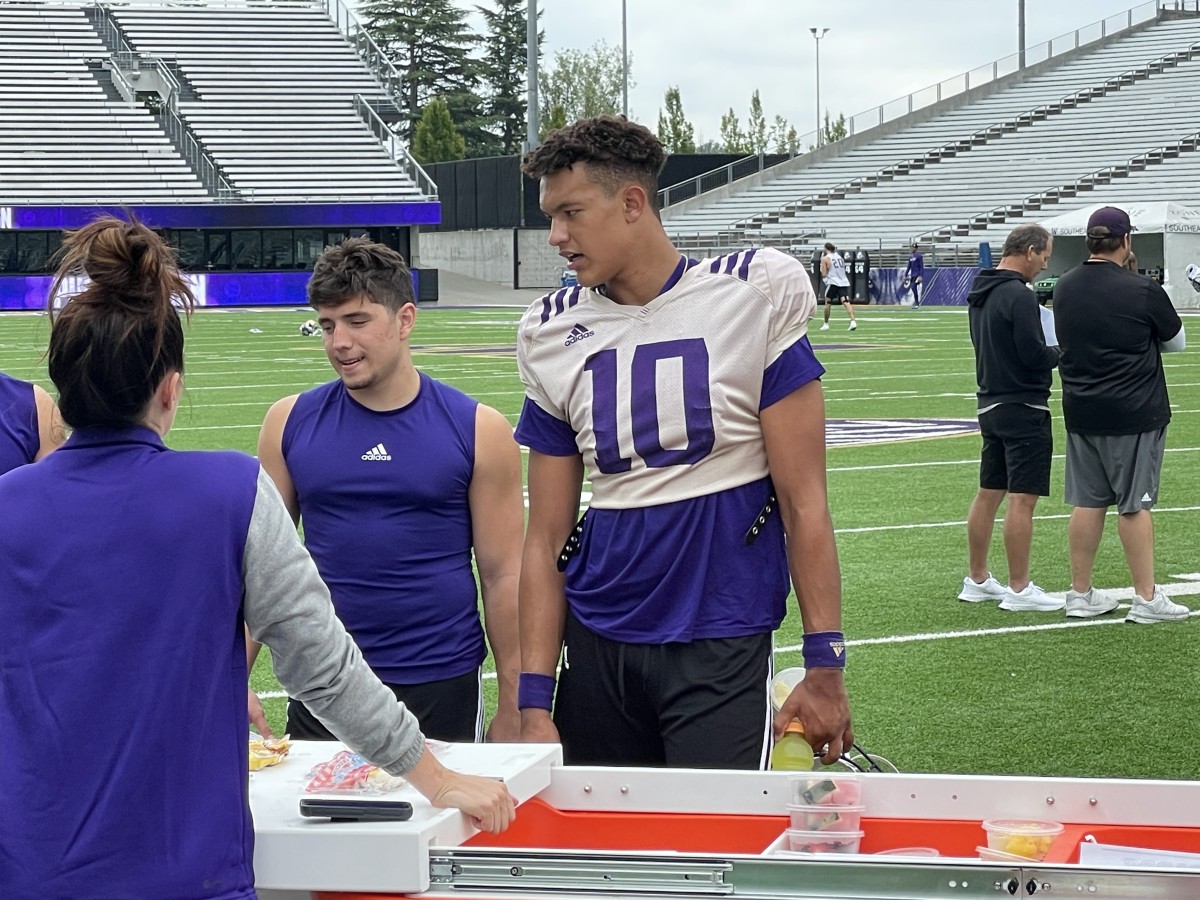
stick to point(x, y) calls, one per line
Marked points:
point(824, 650)
point(535, 691)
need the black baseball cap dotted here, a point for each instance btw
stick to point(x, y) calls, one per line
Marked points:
point(1108, 221)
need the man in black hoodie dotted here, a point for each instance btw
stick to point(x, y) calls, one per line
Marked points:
point(1013, 367)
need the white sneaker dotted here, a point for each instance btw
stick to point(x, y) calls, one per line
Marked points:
point(1089, 604)
point(981, 591)
point(1032, 598)
point(853, 325)
point(1160, 609)
point(825, 327)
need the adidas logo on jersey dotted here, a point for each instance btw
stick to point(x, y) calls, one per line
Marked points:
point(578, 333)
point(378, 453)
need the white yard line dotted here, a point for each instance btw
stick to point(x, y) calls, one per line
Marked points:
point(1190, 587)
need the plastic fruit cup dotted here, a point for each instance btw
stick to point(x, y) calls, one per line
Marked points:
point(782, 684)
point(825, 818)
point(825, 788)
point(823, 841)
point(1030, 838)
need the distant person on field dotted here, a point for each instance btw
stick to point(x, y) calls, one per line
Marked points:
point(30, 426)
point(129, 575)
point(1014, 370)
point(1114, 327)
point(914, 274)
point(837, 284)
point(687, 393)
point(399, 479)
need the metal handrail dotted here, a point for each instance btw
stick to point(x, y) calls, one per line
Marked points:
point(1022, 119)
point(1002, 67)
point(696, 184)
point(394, 146)
point(372, 55)
point(1189, 143)
point(179, 131)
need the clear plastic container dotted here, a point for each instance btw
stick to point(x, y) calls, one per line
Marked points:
point(823, 841)
point(825, 818)
point(782, 684)
point(828, 787)
point(1027, 838)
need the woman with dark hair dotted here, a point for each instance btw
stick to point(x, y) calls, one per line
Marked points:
point(30, 426)
point(128, 572)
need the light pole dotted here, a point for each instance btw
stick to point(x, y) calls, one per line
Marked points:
point(817, 34)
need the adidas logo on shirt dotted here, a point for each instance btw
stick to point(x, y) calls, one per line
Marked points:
point(378, 453)
point(578, 333)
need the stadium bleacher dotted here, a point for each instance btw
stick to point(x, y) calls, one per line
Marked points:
point(1037, 146)
point(274, 93)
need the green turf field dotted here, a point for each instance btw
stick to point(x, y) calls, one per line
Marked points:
point(936, 685)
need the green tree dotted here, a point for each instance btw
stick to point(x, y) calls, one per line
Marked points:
point(733, 139)
point(783, 137)
point(504, 67)
point(430, 42)
point(674, 130)
point(756, 127)
point(583, 83)
point(436, 139)
point(834, 130)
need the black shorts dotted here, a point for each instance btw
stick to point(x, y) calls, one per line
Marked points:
point(1017, 449)
point(450, 710)
point(702, 704)
point(836, 292)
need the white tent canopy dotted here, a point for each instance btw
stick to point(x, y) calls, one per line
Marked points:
point(1166, 240)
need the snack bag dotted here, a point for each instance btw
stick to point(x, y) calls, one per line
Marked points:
point(350, 773)
point(268, 751)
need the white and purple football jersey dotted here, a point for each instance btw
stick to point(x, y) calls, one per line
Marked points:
point(662, 402)
point(663, 399)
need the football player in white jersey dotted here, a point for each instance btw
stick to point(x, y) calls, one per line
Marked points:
point(837, 285)
point(688, 394)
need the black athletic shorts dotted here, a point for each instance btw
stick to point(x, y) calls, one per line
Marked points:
point(1017, 449)
point(450, 710)
point(836, 292)
point(702, 704)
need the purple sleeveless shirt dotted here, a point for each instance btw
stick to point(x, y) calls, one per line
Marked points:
point(383, 505)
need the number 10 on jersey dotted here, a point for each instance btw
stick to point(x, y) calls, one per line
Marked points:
point(641, 407)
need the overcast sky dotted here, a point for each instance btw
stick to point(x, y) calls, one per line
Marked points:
point(718, 51)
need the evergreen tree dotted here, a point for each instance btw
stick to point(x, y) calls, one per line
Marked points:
point(504, 71)
point(436, 139)
point(583, 83)
point(674, 130)
point(430, 42)
point(756, 127)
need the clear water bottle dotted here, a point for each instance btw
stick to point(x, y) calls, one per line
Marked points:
point(792, 752)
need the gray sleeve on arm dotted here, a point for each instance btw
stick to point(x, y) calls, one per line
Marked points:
point(287, 607)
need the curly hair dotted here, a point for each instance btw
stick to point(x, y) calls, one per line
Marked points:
point(357, 267)
point(616, 150)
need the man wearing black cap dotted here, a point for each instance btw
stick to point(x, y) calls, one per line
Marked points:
point(1113, 326)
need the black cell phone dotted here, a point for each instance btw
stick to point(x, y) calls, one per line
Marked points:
point(357, 810)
